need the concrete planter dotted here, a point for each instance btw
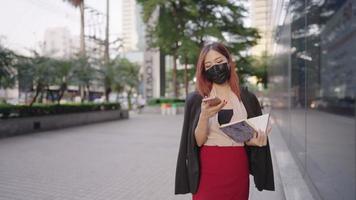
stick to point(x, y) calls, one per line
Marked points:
point(163, 111)
point(19, 126)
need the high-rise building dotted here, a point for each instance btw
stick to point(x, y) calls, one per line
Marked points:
point(260, 11)
point(58, 42)
point(135, 49)
point(132, 26)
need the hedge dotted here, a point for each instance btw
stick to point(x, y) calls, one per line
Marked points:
point(9, 111)
point(158, 101)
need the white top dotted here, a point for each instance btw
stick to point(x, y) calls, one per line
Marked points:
point(215, 136)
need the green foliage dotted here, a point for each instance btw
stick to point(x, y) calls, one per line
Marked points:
point(184, 26)
point(7, 73)
point(83, 72)
point(43, 71)
point(181, 74)
point(189, 51)
point(64, 70)
point(7, 110)
point(191, 23)
point(159, 101)
point(259, 66)
point(38, 73)
point(121, 74)
point(128, 73)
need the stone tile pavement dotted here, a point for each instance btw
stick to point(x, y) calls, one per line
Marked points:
point(128, 159)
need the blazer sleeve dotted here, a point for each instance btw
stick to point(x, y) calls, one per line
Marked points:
point(261, 160)
point(181, 176)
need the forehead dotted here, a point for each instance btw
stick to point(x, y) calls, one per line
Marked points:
point(212, 55)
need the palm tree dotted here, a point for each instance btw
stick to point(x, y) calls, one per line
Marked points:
point(80, 4)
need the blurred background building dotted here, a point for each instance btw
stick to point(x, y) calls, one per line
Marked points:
point(58, 42)
point(260, 16)
point(132, 26)
point(312, 89)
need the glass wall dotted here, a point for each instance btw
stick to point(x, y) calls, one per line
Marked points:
point(313, 85)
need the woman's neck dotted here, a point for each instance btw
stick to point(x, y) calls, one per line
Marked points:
point(222, 89)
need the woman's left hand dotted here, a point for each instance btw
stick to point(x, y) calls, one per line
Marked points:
point(260, 138)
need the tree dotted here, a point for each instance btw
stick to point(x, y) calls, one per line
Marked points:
point(42, 72)
point(167, 33)
point(188, 55)
point(64, 74)
point(7, 71)
point(128, 72)
point(109, 76)
point(183, 27)
point(83, 75)
point(122, 75)
point(259, 68)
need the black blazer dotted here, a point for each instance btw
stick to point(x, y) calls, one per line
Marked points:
point(188, 166)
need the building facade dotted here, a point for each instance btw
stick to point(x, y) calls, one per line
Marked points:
point(260, 15)
point(58, 42)
point(132, 28)
point(312, 89)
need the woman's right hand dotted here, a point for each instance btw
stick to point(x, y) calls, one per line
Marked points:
point(209, 111)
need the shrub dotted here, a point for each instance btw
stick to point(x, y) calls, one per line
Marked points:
point(8, 110)
point(159, 101)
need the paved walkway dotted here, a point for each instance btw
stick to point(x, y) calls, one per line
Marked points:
point(129, 160)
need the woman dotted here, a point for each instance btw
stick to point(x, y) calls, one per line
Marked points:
point(223, 163)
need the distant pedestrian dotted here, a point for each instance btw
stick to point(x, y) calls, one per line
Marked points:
point(141, 102)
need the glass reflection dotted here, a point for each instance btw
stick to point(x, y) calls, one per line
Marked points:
point(312, 88)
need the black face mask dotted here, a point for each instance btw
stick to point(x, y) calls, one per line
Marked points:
point(218, 73)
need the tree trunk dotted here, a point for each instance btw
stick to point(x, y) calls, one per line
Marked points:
point(88, 92)
point(62, 89)
point(106, 50)
point(174, 79)
point(40, 100)
point(107, 93)
point(186, 75)
point(50, 94)
point(129, 99)
point(38, 89)
point(82, 34)
point(82, 93)
point(107, 53)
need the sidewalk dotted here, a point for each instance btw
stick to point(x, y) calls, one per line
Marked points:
point(126, 159)
point(289, 182)
point(278, 194)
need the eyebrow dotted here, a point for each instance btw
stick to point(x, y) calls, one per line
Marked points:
point(215, 60)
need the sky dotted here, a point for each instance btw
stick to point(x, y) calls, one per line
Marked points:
point(23, 22)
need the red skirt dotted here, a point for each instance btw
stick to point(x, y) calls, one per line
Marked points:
point(224, 173)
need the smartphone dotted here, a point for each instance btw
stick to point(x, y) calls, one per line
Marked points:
point(212, 101)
